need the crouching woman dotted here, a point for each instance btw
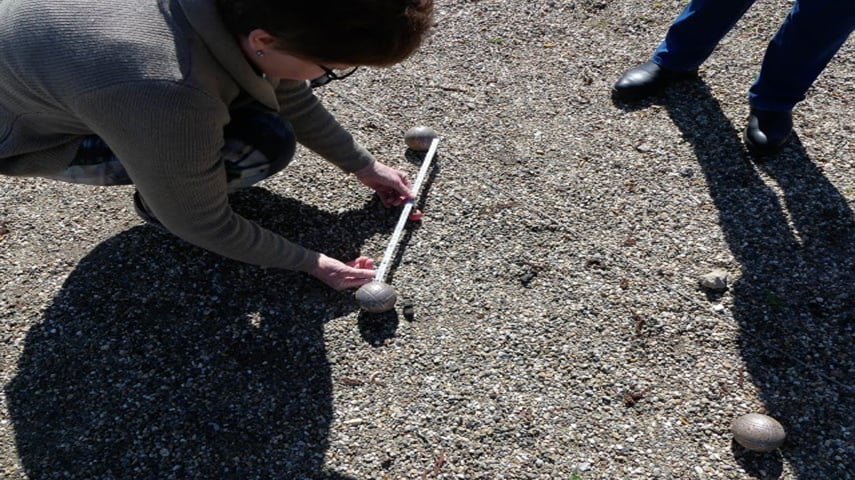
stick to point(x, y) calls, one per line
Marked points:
point(190, 100)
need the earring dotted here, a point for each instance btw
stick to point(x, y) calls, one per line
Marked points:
point(259, 53)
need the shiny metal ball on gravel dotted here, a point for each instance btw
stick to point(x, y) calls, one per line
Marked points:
point(419, 138)
point(376, 297)
point(758, 432)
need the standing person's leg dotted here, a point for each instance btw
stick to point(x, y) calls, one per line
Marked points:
point(810, 36)
point(690, 40)
point(696, 32)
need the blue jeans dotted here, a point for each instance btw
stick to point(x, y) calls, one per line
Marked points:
point(812, 33)
point(257, 145)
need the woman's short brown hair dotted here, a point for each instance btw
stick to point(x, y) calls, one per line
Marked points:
point(353, 32)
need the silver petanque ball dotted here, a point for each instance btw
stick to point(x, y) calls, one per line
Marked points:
point(419, 138)
point(376, 297)
point(758, 432)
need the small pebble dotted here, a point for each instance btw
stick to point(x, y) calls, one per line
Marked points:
point(408, 310)
point(527, 277)
point(717, 280)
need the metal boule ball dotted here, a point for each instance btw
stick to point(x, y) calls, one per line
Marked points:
point(758, 432)
point(376, 297)
point(419, 138)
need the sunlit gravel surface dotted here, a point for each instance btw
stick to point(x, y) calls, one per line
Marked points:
point(558, 328)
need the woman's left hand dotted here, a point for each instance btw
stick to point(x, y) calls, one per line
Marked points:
point(340, 275)
point(391, 184)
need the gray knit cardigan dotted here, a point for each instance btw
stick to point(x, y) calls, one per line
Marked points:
point(156, 80)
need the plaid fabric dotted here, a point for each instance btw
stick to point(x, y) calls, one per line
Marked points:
point(95, 164)
point(257, 145)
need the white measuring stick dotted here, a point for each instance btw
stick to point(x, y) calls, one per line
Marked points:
point(380, 275)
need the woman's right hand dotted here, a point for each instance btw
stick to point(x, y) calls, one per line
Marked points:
point(341, 276)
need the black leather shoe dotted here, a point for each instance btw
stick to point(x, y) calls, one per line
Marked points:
point(767, 132)
point(646, 79)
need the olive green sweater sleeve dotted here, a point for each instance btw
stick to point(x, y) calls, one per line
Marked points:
point(177, 168)
point(317, 129)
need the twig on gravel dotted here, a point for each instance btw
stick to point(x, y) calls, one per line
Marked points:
point(444, 88)
point(436, 469)
point(374, 381)
point(631, 398)
point(353, 382)
point(639, 322)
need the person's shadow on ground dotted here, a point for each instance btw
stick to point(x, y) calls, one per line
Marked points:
point(795, 300)
point(158, 360)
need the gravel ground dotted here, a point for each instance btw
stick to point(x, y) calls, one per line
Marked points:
point(559, 329)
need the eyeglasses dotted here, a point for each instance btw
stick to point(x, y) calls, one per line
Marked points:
point(331, 74)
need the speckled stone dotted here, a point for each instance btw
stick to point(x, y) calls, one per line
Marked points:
point(758, 432)
point(419, 138)
point(717, 280)
point(376, 297)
